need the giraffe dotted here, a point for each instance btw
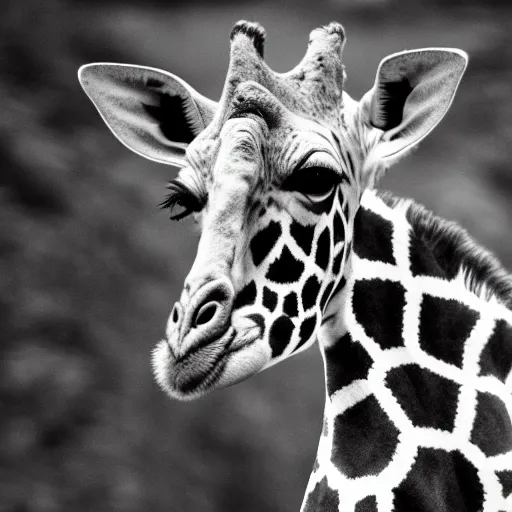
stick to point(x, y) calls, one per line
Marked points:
point(297, 247)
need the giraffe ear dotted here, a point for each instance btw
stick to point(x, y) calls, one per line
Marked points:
point(152, 112)
point(413, 91)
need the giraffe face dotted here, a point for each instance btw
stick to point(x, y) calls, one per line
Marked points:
point(273, 196)
point(274, 173)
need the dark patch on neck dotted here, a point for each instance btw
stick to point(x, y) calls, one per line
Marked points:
point(423, 261)
point(323, 498)
point(171, 119)
point(440, 481)
point(345, 361)
point(492, 429)
point(496, 357)
point(505, 478)
point(373, 237)
point(364, 439)
point(368, 504)
point(378, 307)
point(445, 325)
point(428, 399)
point(453, 248)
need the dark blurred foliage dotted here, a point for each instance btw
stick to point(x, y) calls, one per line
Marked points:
point(89, 267)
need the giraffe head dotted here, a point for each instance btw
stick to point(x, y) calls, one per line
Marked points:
point(273, 174)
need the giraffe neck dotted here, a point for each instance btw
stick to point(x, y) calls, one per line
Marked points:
point(417, 366)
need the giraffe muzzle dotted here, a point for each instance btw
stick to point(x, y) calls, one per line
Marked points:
point(204, 336)
point(203, 319)
point(200, 337)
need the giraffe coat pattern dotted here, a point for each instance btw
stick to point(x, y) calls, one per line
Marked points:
point(412, 318)
point(433, 415)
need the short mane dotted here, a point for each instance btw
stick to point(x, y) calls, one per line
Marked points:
point(454, 249)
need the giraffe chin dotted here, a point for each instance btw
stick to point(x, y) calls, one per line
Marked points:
point(217, 364)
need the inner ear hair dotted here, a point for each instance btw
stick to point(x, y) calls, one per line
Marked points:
point(175, 116)
point(389, 102)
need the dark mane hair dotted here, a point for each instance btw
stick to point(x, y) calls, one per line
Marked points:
point(454, 248)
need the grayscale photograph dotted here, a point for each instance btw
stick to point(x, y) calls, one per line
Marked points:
point(192, 192)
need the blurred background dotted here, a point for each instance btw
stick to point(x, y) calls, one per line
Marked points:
point(89, 267)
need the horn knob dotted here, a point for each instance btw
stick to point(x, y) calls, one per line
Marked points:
point(254, 31)
point(324, 54)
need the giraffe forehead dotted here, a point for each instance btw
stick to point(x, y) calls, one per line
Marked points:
point(251, 97)
point(248, 142)
point(306, 92)
point(240, 154)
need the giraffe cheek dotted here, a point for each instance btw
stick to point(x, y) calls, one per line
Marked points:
point(323, 250)
point(246, 296)
point(280, 334)
point(306, 331)
point(286, 268)
point(270, 299)
point(303, 236)
point(263, 242)
point(291, 305)
point(310, 292)
point(245, 363)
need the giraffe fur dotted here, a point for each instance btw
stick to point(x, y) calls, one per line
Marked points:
point(450, 426)
point(412, 317)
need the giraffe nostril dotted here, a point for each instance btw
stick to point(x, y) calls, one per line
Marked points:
point(206, 313)
point(175, 314)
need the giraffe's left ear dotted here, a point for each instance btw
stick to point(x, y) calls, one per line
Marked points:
point(413, 91)
point(152, 112)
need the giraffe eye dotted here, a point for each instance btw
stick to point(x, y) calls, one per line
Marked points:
point(180, 197)
point(315, 182)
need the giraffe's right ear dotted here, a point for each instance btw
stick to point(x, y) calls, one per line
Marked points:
point(413, 91)
point(152, 112)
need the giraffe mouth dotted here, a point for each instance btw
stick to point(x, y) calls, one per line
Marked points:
point(202, 367)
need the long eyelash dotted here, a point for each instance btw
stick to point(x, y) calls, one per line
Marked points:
point(176, 193)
